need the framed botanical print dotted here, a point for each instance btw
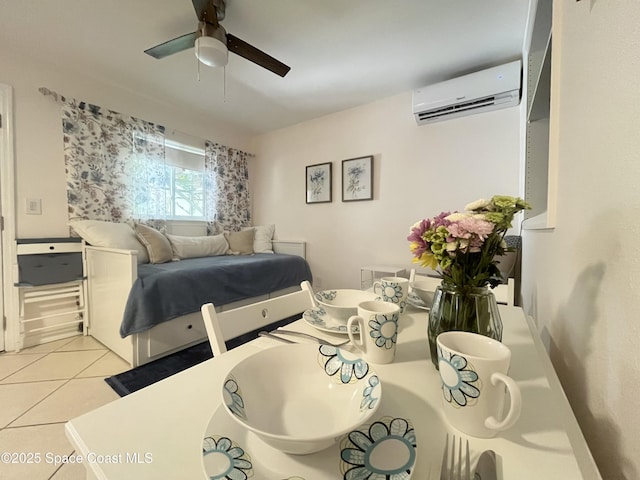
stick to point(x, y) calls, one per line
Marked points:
point(357, 179)
point(318, 183)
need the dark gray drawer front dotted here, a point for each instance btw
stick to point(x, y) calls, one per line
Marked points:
point(45, 269)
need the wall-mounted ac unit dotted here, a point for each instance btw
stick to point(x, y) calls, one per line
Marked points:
point(490, 89)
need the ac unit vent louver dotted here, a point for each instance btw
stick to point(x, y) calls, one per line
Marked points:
point(490, 89)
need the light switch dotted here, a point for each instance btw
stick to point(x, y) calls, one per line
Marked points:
point(34, 206)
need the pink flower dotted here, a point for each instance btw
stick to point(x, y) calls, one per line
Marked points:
point(471, 232)
point(462, 245)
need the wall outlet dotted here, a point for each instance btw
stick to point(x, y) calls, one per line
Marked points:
point(33, 206)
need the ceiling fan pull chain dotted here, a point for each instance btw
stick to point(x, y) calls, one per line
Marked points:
point(198, 68)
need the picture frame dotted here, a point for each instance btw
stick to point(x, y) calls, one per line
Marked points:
point(318, 183)
point(357, 179)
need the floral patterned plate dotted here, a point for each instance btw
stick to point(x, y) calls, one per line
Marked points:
point(415, 301)
point(320, 319)
point(385, 448)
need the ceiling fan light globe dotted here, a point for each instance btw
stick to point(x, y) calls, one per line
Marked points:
point(211, 51)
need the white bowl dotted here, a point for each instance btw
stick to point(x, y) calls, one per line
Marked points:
point(425, 290)
point(343, 303)
point(301, 398)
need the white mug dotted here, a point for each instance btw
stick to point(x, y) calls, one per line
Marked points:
point(393, 290)
point(378, 330)
point(473, 369)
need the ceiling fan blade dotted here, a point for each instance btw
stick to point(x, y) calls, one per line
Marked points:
point(251, 53)
point(209, 11)
point(199, 6)
point(172, 46)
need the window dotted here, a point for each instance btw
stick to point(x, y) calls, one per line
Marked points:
point(185, 191)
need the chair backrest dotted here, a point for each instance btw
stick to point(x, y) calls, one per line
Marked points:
point(228, 324)
point(212, 324)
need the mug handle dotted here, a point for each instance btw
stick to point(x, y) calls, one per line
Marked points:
point(377, 285)
point(514, 408)
point(360, 345)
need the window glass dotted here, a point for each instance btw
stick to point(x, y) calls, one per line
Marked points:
point(185, 182)
point(186, 193)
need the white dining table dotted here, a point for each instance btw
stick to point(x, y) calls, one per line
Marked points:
point(157, 432)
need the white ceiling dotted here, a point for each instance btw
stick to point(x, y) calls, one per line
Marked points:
point(342, 53)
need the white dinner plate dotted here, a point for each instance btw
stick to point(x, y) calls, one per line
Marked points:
point(386, 447)
point(415, 301)
point(320, 319)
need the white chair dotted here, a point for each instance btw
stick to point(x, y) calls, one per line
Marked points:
point(433, 281)
point(229, 324)
point(504, 293)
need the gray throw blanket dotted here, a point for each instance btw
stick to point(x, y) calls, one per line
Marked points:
point(169, 290)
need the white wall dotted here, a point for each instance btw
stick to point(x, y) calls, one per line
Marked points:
point(581, 279)
point(38, 143)
point(419, 171)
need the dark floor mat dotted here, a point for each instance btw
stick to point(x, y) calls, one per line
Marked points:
point(145, 375)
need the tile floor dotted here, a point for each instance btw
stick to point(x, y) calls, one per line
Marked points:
point(40, 389)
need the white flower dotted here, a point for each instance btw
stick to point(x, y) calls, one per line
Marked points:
point(456, 217)
point(478, 204)
point(451, 246)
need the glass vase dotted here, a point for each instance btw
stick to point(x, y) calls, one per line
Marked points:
point(470, 309)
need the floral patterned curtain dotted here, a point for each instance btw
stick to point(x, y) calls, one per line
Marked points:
point(228, 203)
point(115, 164)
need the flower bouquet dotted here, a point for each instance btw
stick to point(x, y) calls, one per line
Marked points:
point(462, 247)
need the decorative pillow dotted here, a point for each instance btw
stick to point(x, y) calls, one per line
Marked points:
point(240, 243)
point(158, 246)
point(189, 247)
point(262, 241)
point(110, 235)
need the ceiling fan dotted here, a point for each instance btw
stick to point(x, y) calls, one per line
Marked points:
point(212, 43)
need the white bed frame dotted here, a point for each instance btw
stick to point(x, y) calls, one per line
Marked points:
point(110, 275)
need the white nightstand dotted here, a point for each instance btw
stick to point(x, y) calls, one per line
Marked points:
point(50, 288)
point(370, 273)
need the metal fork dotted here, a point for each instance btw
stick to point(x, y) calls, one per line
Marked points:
point(321, 341)
point(450, 470)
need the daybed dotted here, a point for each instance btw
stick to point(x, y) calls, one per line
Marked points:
point(145, 311)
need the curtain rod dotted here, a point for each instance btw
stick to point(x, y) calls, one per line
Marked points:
point(63, 100)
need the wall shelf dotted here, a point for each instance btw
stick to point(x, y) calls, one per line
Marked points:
point(538, 118)
point(539, 222)
point(538, 107)
point(539, 46)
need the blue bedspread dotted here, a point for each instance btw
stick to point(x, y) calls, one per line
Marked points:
point(168, 290)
